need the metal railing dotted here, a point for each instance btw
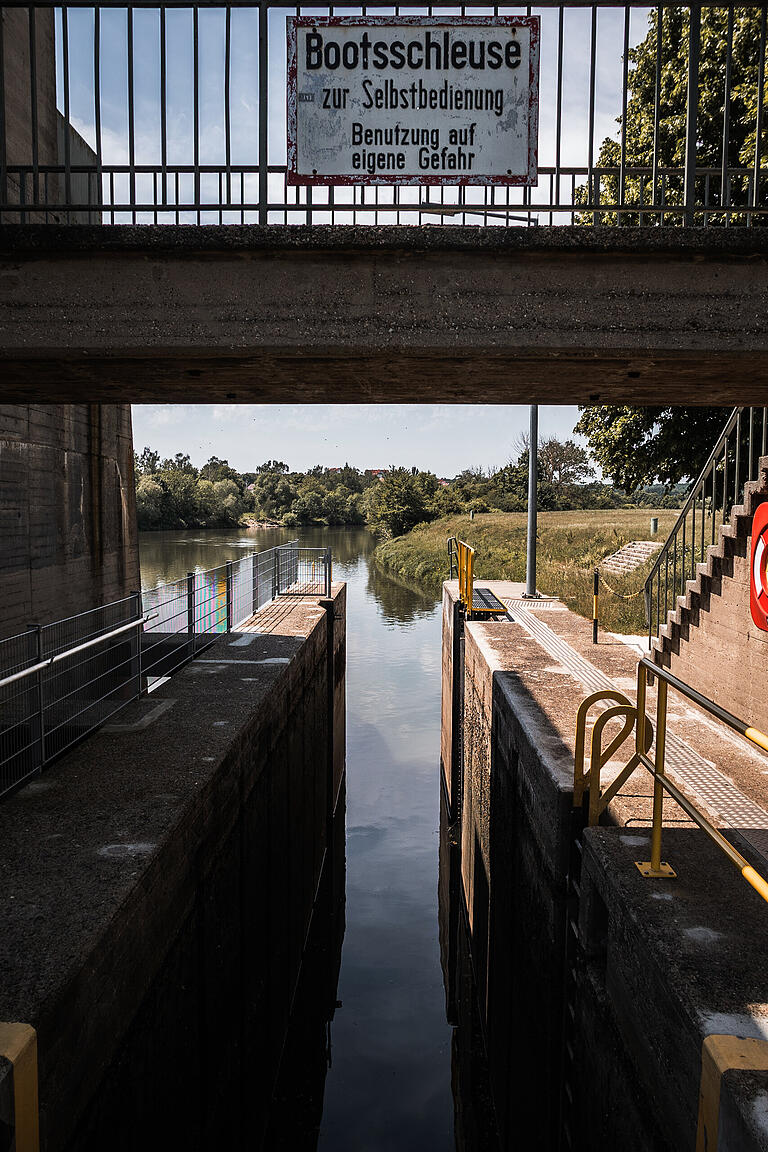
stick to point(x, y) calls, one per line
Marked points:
point(176, 113)
point(461, 563)
point(60, 681)
point(634, 717)
point(733, 462)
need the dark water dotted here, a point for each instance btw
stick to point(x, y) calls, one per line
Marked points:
point(389, 1083)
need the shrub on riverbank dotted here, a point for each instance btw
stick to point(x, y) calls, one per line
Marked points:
point(570, 544)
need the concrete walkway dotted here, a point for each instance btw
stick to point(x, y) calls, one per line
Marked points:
point(719, 771)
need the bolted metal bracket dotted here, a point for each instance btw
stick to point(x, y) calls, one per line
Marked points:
point(645, 868)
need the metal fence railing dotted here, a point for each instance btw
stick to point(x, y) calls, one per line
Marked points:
point(175, 112)
point(60, 681)
point(733, 462)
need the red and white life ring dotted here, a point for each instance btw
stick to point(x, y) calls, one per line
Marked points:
point(758, 579)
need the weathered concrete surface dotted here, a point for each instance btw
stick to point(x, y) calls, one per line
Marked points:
point(158, 887)
point(710, 640)
point(326, 314)
point(617, 1009)
point(17, 97)
point(67, 511)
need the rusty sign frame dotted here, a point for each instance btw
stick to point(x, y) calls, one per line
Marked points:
point(527, 179)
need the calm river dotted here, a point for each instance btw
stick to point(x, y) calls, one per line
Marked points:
point(389, 1084)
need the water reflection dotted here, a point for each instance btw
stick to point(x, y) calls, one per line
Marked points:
point(398, 603)
point(390, 1071)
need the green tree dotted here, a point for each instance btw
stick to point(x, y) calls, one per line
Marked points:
point(639, 135)
point(179, 463)
point(146, 464)
point(150, 498)
point(563, 463)
point(403, 498)
point(636, 446)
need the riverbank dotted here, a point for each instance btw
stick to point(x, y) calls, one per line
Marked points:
point(570, 545)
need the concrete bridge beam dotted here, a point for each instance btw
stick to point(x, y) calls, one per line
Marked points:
point(383, 314)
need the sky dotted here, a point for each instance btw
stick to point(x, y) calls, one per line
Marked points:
point(440, 438)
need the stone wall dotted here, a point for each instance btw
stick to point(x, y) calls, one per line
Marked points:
point(719, 650)
point(67, 509)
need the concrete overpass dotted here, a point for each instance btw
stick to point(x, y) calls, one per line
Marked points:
point(323, 314)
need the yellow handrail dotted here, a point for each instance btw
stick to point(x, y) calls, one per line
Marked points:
point(634, 717)
point(465, 560)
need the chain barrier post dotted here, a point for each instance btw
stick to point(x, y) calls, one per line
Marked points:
point(595, 590)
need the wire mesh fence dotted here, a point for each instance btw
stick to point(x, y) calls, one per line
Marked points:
point(60, 681)
point(176, 113)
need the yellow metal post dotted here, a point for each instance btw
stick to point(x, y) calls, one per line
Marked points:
point(470, 579)
point(640, 724)
point(719, 1054)
point(18, 1044)
point(656, 867)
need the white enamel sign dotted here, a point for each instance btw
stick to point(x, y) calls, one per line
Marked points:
point(412, 100)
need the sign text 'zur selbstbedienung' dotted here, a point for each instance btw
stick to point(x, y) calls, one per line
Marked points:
point(412, 100)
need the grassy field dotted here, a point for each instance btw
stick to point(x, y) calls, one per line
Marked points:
point(570, 545)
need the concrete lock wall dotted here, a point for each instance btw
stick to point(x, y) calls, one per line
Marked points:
point(172, 917)
point(595, 992)
point(70, 539)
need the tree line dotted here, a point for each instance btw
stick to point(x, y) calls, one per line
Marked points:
point(173, 493)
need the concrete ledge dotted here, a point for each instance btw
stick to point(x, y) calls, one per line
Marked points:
point(179, 238)
point(681, 959)
point(332, 314)
point(207, 829)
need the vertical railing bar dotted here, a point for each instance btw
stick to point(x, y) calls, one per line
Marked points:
point(263, 123)
point(682, 559)
point(692, 104)
point(163, 107)
point(624, 100)
point(191, 625)
point(693, 540)
point(67, 142)
point(657, 102)
point(725, 479)
point(725, 180)
point(3, 142)
point(97, 100)
point(765, 432)
point(559, 112)
point(737, 461)
point(593, 54)
point(131, 115)
point(759, 114)
point(714, 496)
point(33, 108)
point(227, 86)
point(40, 685)
point(750, 475)
point(196, 110)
